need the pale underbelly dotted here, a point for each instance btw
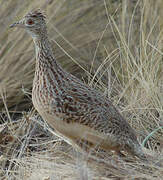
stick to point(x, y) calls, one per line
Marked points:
point(74, 132)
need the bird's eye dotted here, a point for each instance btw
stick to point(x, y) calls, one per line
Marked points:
point(30, 22)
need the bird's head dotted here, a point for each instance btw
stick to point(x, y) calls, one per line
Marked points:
point(33, 22)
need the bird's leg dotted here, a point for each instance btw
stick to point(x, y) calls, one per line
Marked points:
point(120, 154)
point(85, 146)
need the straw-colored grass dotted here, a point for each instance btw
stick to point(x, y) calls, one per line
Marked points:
point(114, 46)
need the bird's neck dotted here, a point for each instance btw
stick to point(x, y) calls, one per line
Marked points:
point(43, 50)
point(44, 53)
point(46, 64)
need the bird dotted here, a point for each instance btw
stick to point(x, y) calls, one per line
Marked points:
point(78, 113)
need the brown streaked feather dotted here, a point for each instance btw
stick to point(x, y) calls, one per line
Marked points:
point(74, 110)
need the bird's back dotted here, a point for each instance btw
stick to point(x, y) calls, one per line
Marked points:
point(78, 112)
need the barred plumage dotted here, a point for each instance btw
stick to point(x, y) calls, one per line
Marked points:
point(78, 113)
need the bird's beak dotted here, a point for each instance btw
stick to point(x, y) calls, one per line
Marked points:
point(17, 24)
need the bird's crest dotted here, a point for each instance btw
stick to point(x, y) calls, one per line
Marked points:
point(36, 13)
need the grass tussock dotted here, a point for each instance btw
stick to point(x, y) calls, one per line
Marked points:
point(114, 46)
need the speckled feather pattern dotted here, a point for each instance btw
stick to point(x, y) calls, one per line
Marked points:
point(59, 95)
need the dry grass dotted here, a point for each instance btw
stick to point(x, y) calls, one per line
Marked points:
point(30, 151)
point(112, 45)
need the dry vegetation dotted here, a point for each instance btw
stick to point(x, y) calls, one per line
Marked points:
point(113, 45)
